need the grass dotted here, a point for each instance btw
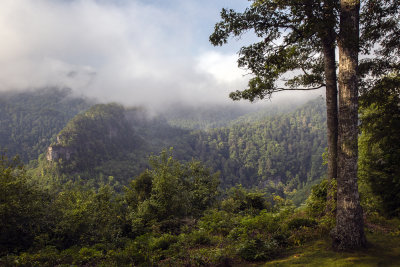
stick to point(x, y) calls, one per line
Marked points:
point(383, 250)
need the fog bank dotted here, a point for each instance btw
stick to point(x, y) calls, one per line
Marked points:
point(134, 52)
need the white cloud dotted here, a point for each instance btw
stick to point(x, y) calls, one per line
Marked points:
point(131, 52)
point(222, 67)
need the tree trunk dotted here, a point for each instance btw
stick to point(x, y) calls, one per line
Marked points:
point(349, 231)
point(328, 44)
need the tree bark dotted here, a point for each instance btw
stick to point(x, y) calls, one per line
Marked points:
point(328, 44)
point(332, 109)
point(349, 231)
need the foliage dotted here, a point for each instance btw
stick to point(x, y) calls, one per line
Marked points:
point(259, 237)
point(93, 137)
point(87, 217)
point(282, 149)
point(23, 208)
point(316, 202)
point(380, 146)
point(290, 34)
point(170, 191)
point(297, 223)
point(173, 212)
point(88, 227)
point(30, 120)
point(169, 214)
point(379, 40)
point(240, 200)
point(218, 222)
point(108, 145)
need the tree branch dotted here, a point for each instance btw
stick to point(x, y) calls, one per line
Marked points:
point(279, 89)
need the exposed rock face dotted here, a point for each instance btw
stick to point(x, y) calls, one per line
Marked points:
point(56, 152)
point(100, 134)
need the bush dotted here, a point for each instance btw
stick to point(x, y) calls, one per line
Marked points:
point(163, 242)
point(241, 200)
point(259, 237)
point(218, 222)
point(89, 256)
point(48, 256)
point(209, 257)
point(255, 249)
point(317, 201)
point(199, 238)
point(297, 223)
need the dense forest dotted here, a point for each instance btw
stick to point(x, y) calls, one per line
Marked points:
point(29, 120)
point(260, 149)
point(316, 183)
point(231, 194)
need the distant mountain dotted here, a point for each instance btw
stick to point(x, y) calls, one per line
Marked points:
point(76, 140)
point(109, 140)
point(30, 120)
point(281, 149)
point(221, 115)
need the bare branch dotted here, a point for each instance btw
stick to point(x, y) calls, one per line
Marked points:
point(279, 89)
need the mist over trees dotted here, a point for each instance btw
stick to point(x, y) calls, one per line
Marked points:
point(102, 184)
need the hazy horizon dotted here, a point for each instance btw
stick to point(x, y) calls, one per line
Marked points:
point(139, 53)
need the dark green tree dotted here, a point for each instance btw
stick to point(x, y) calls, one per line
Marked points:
point(297, 38)
point(294, 35)
point(23, 208)
point(86, 217)
point(170, 191)
point(379, 142)
point(379, 40)
point(30, 120)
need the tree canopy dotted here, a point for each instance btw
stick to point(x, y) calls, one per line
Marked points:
point(296, 51)
point(290, 35)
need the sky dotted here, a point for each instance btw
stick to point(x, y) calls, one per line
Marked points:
point(135, 52)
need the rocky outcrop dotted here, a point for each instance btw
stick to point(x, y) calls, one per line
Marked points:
point(98, 135)
point(55, 152)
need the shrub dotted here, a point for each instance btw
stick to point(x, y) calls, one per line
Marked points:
point(241, 200)
point(255, 249)
point(199, 238)
point(163, 242)
point(297, 223)
point(89, 256)
point(209, 257)
point(48, 256)
point(316, 203)
point(218, 222)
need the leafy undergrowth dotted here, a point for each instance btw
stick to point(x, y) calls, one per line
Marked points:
point(383, 250)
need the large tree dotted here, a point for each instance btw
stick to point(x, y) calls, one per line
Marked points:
point(380, 44)
point(349, 231)
point(299, 37)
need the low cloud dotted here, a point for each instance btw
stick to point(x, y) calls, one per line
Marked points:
point(135, 52)
point(222, 67)
point(126, 51)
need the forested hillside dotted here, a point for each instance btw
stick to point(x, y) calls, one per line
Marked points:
point(262, 149)
point(282, 149)
point(107, 141)
point(96, 197)
point(179, 176)
point(210, 116)
point(29, 120)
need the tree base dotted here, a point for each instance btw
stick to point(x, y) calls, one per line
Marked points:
point(348, 238)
